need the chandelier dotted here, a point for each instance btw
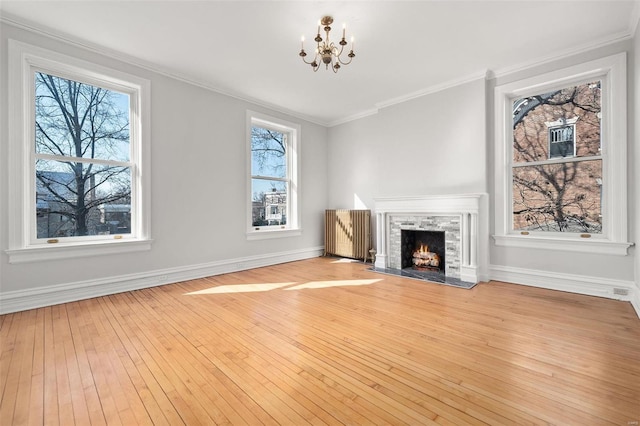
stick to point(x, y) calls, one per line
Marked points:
point(326, 51)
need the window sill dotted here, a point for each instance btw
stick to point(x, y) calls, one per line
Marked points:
point(273, 233)
point(575, 244)
point(74, 250)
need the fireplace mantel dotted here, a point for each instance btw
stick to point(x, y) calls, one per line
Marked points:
point(469, 208)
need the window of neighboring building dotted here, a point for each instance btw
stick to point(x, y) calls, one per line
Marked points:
point(80, 145)
point(273, 152)
point(562, 140)
point(560, 165)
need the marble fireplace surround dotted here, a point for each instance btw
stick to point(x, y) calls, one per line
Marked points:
point(459, 215)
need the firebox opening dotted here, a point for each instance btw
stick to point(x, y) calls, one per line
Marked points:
point(423, 250)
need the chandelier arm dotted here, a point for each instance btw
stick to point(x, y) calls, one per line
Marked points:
point(309, 63)
point(345, 63)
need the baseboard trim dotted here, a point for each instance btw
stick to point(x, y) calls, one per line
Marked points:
point(635, 301)
point(582, 284)
point(21, 300)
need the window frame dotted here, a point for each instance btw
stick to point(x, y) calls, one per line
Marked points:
point(24, 245)
point(611, 71)
point(292, 227)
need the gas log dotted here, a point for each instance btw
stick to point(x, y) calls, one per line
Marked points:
point(423, 258)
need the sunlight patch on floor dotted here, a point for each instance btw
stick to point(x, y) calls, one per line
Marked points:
point(332, 283)
point(345, 260)
point(252, 288)
point(241, 288)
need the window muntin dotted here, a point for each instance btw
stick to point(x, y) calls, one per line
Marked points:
point(77, 124)
point(557, 166)
point(273, 183)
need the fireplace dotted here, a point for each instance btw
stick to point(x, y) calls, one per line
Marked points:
point(422, 250)
point(459, 219)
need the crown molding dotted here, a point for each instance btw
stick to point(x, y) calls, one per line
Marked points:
point(353, 117)
point(433, 89)
point(634, 18)
point(9, 19)
point(486, 74)
point(586, 47)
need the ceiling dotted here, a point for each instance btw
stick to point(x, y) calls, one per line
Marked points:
point(249, 49)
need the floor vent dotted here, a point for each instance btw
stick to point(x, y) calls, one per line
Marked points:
point(621, 291)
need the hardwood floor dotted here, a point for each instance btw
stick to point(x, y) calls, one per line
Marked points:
point(323, 342)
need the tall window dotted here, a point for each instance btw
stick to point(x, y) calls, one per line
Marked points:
point(82, 159)
point(557, 163)
point(79, 157)
point(560, 159)
point(273, 169)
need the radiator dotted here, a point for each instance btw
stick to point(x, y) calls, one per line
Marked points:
point(347, 233)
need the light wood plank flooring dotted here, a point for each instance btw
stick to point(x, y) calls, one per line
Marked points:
point(318, 342)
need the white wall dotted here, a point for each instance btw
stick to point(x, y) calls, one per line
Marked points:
point(435, 144)
point(198, 186)
point(442, 143)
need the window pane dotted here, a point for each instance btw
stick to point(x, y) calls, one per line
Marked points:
point(558, 197)
point(77, 199)
point(562, 123)
point(80, 120)
point(268, 153)
point(269, 202)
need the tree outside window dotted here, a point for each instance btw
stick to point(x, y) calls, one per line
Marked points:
point(557, 162)
point(269, 177)
point(82, 159)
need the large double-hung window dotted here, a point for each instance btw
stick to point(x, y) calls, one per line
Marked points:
point(273, 151)
point(560, 159)
point(79, 157)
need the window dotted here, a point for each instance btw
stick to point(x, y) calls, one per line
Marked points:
point(560, 167)
point(273, 187)
point(79, 151)
point(562, 138)
point(555, 177)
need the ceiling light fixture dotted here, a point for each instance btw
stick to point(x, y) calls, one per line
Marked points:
point(327, 51)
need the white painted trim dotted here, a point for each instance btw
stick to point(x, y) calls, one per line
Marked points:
point(21, 300)
point(76, 250)
point(24, 246)
point(635, 300)
point(582, 284)
point(576, 245)
point(612, 71)
point(587, 47)
point(77, 42)
point(480, 75)
point(167, 72)
point(472, 210)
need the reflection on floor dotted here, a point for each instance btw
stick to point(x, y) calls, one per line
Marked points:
point(430, 276)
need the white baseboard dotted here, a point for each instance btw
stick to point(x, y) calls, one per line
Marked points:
point(21, 300)
point(635, 301)
point(592, 286)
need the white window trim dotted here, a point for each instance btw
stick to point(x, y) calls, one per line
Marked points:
point(24, 59)
point(293, 227)
point(613, 240)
